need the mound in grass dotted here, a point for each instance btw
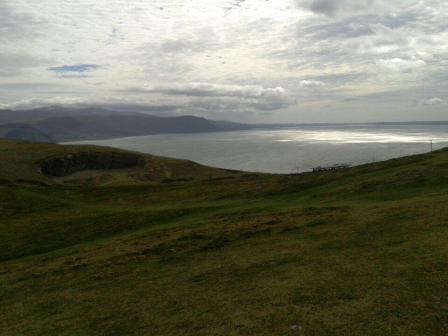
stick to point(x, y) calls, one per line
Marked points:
point(356, 252)
point(50, 163)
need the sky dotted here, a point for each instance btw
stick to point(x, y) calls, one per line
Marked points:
point(239, 60)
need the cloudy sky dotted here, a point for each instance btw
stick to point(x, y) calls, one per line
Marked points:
point(242, 60)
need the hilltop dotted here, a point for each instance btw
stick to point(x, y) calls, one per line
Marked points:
point(98, 241)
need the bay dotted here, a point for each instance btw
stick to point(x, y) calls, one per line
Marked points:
point(292, 149)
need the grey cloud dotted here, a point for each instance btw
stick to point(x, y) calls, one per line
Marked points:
point(18, 25)
point(327, 7)
point(358, 26)
point(28, 86)
point(333, 7)
point(222, 105)
point(114, 103)
point(15, 23)
point(350, 99)
point(14, 62)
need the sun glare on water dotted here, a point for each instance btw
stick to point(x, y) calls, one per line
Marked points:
point(347, 137)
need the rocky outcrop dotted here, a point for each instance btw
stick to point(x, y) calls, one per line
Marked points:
point(59, 166)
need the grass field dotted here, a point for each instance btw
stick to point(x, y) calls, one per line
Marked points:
point(170, 247)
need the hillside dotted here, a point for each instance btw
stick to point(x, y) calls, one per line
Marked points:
point(97, 241)
point(20, 131)
point(57, 124)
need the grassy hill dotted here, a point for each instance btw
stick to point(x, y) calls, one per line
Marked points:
point(130, 244)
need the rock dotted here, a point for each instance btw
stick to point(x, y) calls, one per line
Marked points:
point(59, 166)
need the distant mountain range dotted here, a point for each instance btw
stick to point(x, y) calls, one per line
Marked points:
point(58, 124)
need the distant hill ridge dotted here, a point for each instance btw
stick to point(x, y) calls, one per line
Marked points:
point(57, 124)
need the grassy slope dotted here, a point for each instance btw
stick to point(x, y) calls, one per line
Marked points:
point(359, 252)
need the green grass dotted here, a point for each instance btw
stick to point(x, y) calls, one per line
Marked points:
point(175, 248)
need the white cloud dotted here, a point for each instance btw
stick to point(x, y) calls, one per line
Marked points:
point(401, 65)
point(433, 101)
point(42, 102)
point(217, 97)
point(264, 58)
point(311, 83)
point(213, 90)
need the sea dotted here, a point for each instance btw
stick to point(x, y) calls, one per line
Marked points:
point(286, 150)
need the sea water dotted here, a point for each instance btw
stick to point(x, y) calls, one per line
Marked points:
point(293, 149)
